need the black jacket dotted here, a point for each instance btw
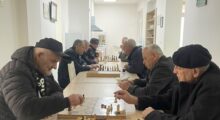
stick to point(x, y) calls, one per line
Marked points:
point(189, 101)
point(89, 61)
point(160, 79)
point(79, 63)
point(19, 91)
point(91, 53)
point(135, 63)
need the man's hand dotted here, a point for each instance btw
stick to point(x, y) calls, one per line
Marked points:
point(147, 111)
point(126, 66)
point(124, 85)
point(75, 99)
point(93, 66)
point(128, 98)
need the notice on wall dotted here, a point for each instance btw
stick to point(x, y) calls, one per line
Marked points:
point(200, 3)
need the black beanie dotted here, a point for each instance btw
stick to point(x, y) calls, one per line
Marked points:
point(192, 56)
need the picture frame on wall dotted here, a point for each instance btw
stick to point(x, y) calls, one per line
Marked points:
point(46, 12)
point(53, 11)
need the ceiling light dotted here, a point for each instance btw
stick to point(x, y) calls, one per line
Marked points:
point(110, 0)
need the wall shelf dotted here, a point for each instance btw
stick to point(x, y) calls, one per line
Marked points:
point(150, 27)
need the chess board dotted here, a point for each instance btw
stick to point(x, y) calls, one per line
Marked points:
point(91, 109)
point(102, 74)
point(109, 68)
point(112, 58)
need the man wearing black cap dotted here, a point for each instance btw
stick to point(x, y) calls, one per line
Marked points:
point(197, 95)
point(28, 90)
point(91, 52)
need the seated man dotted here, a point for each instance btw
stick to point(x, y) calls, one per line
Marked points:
point(135, 60)
point(122, 55)
point(91, 52)
point(75, 53)
point(160, 74)
point(28, 90)
point(85, 56)
point(197, 95)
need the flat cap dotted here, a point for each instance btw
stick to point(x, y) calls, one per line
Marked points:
point(192, 56)
point(53, 45)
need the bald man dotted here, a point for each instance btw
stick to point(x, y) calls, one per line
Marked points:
point(122, 55)
point(135, 59)
point(160, 74)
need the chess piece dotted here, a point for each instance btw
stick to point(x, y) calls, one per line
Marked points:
point(108, 110)
point(115, 100)
point(118, 109)
point(69, 109)
point(111, 108)
point(103, 106)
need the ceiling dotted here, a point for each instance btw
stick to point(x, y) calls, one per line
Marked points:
point(118, 2)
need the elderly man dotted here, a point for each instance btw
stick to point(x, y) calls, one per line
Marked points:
point(197, 95)
point(28, 90)
point(75, 53)
point(160, 76)
point(85, 55)
point(135, 60)
point(91, 52)
point(122, 55)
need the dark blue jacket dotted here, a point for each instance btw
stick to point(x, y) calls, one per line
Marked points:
point(135, 63)
point(80, 65)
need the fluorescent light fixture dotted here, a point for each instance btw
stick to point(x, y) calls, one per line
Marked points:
point(110, 0)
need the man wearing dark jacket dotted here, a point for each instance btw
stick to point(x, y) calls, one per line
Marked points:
point(28, 90)
point(160, 74)
point(122, 55)
point(85, 55)
point(75, 53)
point(91, 52)
point(197, 95)
point(135, 60)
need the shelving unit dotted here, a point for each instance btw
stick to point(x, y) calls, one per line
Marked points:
point(150, 27)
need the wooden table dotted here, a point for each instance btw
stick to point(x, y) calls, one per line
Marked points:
point(97, 87)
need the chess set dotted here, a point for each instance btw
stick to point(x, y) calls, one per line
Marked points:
point(112, 58)
point(105, 70)
point(108, 108)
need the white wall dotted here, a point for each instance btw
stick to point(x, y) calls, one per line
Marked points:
point(38, 26)
point(33, 21)
point(22, 23)
point(172, 26)
point(12, 28)
point(117, 21)
point(161, 12)
point(142, 11)
point(202, 26)
point(79, 16)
